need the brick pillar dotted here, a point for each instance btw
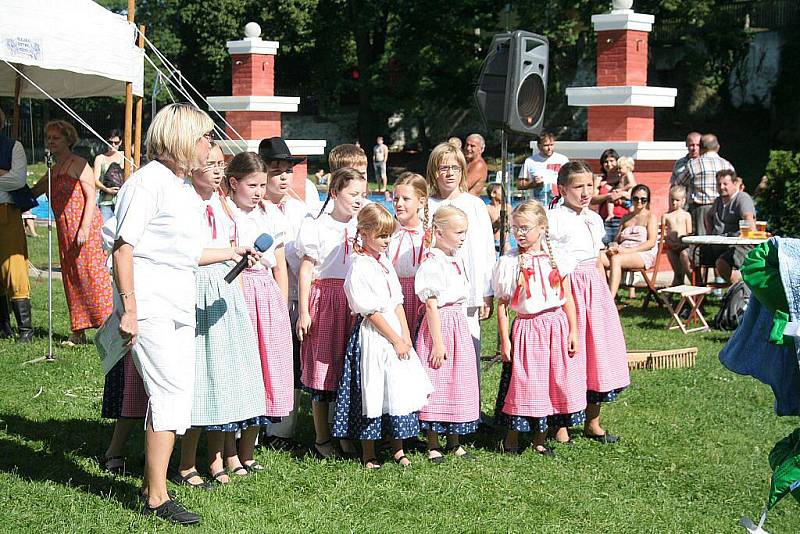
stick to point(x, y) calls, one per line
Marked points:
point(616, 123)
point(253, 74)
point(621, 57)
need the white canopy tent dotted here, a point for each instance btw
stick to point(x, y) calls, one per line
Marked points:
point(70, 48)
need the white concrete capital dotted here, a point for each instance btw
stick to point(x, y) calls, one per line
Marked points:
point(297, 147)
point(638, 150)
point(623, 20)
point(252, 45)
point(622, 95)
point(284, 104)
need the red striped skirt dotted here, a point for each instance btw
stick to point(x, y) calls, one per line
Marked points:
point(544, 379)
point(412, 306)
point(600, 339)
point(270, 316)
point(322, 350)
point(455, 397)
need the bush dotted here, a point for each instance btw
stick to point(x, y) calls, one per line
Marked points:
point(780, 202)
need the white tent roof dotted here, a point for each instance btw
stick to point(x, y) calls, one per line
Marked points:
point(70, 48)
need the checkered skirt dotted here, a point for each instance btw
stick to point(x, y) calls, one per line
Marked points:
point(322, 350)
point(600, 339)
point(455, 383)
point(124, 395)
point(270, 316)
point(228, 382)
point(412, 306)
point(544, 379)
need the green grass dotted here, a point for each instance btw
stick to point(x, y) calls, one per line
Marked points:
point(693, 458)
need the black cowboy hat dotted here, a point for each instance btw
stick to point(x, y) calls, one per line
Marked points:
point(275, 149)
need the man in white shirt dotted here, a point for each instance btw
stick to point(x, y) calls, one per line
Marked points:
point(14, 284)
point(539, 173)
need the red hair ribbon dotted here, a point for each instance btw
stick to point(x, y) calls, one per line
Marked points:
point(212, 220)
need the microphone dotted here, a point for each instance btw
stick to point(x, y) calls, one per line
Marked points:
point(49, 160)
point(262, 244)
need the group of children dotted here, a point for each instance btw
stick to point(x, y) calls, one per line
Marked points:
point(379, 315)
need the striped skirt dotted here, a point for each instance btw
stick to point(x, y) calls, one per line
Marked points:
point(455, 382)
point(412, 306)
point(269, 314)
point(322, 350)
point(600, 339)
point(124, 396)
point(228, 382)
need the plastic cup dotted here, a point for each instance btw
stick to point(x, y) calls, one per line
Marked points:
point(744, 228)
point(761, 226)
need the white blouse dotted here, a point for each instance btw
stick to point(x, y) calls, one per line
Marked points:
point(478, 250)
point(260, 220)
point(295, 211)
point(160, 215)
point(442, 277)
point(328, 243)
point(218, 228)
point(372, 286)
point(576, 237)
point(533, 291)
point(405, 250)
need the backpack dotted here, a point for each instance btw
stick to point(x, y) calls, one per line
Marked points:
point(732, 307)
point(113, 176)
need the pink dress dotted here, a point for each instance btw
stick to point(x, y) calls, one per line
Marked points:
point(406, 253)
point(455, 382)
point(633, 236)
point(87, 284)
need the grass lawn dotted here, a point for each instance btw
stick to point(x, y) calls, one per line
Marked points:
point(693, 458)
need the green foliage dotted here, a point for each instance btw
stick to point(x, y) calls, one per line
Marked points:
point(780, 203)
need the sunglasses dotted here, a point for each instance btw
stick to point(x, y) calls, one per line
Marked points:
point(640, 199)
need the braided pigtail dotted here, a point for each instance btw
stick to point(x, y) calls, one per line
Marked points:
point(324, 204)
point(427, 232)
point(358, 244)
point(555, 276)
point(553, 264)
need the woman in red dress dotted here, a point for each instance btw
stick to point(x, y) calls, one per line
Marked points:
point(87, 283)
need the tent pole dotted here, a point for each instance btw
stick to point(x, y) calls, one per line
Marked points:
point(137, 136)
point(49, 357)
point(128, 106)
point(15, 120)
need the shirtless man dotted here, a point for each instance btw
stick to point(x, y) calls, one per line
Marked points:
point(476, 166)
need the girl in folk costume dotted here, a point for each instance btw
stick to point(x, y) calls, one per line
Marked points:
point(265, 285)
point(280, 162)
point(383, 385)
point(444, 343)
point(324, 321)
point(229, 391)
point(577, 236)
point(541, 382)
point(410, 239)
point(447, 182)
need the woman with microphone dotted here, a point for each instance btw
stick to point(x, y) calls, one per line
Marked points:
point(157, 250)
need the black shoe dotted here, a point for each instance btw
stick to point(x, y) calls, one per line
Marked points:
point(6, 331)
point(279, 443)
point(606, 438)
point(173, 511)
point(22, 312)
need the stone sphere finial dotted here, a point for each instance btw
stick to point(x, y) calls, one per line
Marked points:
point(252, 30)
point(617, 5)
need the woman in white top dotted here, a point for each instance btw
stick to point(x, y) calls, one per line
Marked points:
point(447, 182)
point(108, 192)
point(157, 250)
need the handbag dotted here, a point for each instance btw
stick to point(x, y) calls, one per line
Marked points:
point(23, 198)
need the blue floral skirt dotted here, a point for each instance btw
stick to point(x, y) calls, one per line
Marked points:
point(458, 429)
point(600, 397)
point(349, 421)
point(261, 420)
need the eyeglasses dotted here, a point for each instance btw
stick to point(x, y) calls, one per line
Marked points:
point(114, 141)
point(210, 136)
point(521, 229)
point(218, 166)
point(455, 169)
point(639, 199)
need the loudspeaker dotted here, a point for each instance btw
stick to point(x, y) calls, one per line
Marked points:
point(512, 84)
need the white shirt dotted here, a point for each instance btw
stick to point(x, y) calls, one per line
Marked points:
point(547, 169)
point(312, 201)
point(575, 237)
point(295, 211)
point(16, 176)
point(478, 250)
point(534, 291)
point(160, 215)
point(405, 250)
point(260, 220)
point(328, 243)
point(372, 286)
point(442, 277)
point(219, 229)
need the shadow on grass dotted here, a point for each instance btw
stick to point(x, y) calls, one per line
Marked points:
point(65, 443)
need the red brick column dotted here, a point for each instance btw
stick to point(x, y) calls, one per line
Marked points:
point(621, 57)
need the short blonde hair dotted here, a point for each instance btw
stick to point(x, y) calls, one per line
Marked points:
point(445, 214)
point(438, 154)
point(64, 128)
point(376, 220)
point(346, 155)
point(625, 163)
point(174, 133)
point(535, 212)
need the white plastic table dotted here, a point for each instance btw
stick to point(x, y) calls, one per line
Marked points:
point(720, 240)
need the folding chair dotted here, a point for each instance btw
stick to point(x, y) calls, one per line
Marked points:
point(650, 275)
point(693, 296)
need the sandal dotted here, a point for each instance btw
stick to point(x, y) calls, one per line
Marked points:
point(254, 467)
point(466, 456)
point(240, 471)
point(436, 459)
point(399, 461)
point(116, 469)
point(544, 451)
point(315, 451)
point(215, 477)
point(375, 465)
point(183, 480)
point(510, 450)
point(606, 438)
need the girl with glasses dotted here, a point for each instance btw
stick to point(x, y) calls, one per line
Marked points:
point(635, 246)
point(108, 186)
